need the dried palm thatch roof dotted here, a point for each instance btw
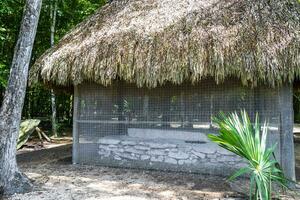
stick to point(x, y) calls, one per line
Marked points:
point(150, 42)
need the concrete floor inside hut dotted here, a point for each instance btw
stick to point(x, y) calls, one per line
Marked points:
point(54, 177)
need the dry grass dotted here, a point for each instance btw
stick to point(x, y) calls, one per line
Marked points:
point(150, 42)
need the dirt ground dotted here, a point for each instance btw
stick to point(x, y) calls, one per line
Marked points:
point(55, 178)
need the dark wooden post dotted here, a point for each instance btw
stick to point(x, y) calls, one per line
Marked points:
point(123, 123)
point(145, 107)
point(286, 130)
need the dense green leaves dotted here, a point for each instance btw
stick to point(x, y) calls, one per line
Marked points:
point(249, 141)
point(10, 17)
point(69, 13)
point(3, 75)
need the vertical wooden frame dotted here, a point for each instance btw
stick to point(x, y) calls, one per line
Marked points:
point(75, 127)
point(286, 130)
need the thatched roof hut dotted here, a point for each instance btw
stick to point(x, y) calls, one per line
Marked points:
point(150, 42)
point(165, 42)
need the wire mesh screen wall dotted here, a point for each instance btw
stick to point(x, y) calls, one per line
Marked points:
point(171, 114)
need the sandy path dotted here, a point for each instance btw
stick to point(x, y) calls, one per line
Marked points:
point(56, 178)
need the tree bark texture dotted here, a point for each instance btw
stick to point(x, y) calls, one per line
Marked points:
point(53, 116)
point(53, 11)
point(11, 179)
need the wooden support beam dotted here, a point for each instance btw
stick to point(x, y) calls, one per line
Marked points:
point(286, 130)
point(75, 126)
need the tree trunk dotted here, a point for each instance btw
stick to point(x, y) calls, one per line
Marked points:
point(53, 116)
point(53, 10)
point(11, 179)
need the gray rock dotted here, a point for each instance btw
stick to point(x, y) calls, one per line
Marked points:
point(140, 147)
point(189, 161)
point(118, 150)
point(157, 158)
point(208, 148)
point(171, 161)
point(128, 142)
point(212, 156)
point(174, 150)
point(193, 157)
point(157, 152)
point(133, 150)
point(199, 154)
point(216, 161)
point(171, 149)
point(117, 158)
point(224, 152)
point(180, 162)
point(129, 156)
point(180, 155)
point(145, 157)
point(104, 148)
point(160, 145)
point(155, 145)
point(240, 164)
point(170, 145)
point(185, 148)
point(229, 159)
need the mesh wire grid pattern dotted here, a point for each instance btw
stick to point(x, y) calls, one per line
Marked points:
point(122, 108)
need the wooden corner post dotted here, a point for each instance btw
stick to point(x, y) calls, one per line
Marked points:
point(286, 114)
point(75, 127)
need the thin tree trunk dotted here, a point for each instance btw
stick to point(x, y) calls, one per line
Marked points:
point(53, 10)
point(53, 116)
point(1, 94)
point(11, 179)
point(71, 109)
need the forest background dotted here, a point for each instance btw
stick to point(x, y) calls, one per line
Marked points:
point(56, 19)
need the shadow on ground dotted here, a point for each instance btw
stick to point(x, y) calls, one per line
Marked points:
point(55, 177)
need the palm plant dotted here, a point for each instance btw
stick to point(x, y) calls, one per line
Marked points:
point(238, 135)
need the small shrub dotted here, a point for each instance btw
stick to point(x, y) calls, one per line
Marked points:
point(238, 135)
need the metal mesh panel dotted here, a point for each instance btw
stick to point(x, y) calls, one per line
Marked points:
point(185, 110)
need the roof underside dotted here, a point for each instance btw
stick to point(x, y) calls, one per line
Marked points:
point(150, 42)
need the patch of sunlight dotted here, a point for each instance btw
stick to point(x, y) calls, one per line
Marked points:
point(136, 185)
point(61, 178)
point(201, 126)
point(273, 128)
point(33, 175)
point(167, 193)
point(107, 186)
point(126, 198)
point(209, 193)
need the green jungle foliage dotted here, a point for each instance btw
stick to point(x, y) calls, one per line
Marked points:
point(69, 13)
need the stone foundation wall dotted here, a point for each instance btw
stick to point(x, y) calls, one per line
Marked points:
point(178, 155)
